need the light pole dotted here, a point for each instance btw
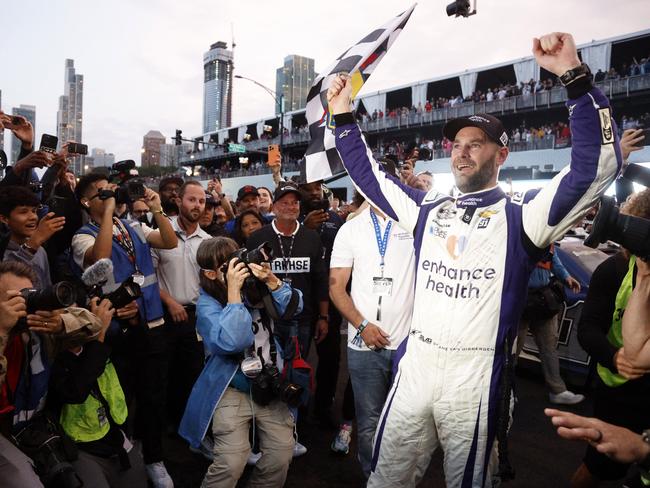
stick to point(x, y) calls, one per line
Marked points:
point(278, 101)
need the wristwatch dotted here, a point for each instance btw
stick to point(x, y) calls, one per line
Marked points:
point(323, 317)
point(574, 74)
point(159, 211)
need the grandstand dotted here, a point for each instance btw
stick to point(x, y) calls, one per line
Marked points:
point(415, 113)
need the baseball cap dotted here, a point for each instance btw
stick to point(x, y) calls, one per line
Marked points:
point(247, 190)
point(284, 188)
point(487, 123)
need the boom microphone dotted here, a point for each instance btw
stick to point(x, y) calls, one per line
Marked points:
point(98, 274)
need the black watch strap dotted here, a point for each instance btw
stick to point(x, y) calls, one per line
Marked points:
point(575, 74)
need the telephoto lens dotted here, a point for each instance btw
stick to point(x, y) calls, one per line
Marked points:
point(59, 295)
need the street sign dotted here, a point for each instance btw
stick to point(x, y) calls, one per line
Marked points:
point(238, 148)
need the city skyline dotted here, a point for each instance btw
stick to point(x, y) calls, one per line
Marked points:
point(146, 73)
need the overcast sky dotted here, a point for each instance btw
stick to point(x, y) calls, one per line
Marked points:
point(142, 59)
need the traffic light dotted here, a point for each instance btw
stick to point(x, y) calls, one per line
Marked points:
point(179, 135)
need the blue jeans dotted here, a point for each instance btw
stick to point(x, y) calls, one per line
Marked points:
point(371, 375)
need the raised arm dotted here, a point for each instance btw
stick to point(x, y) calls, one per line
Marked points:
point(398, 201)
point(595, 153)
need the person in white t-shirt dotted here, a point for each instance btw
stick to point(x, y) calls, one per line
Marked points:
point(379, 257)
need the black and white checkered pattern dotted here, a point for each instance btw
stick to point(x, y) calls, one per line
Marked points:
point(322, 160)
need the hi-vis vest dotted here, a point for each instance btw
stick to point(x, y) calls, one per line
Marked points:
point(87, 421)
point(615, 334)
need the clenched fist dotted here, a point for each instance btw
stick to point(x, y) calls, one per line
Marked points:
point(556, 52)
point(339, 95)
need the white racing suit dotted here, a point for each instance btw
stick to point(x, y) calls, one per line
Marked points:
point(474, 255)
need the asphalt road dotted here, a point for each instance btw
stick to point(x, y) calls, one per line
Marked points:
point(540, 458)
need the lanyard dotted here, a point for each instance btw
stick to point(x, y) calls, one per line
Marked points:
point(382, 242)
point(123, 239)
point(285, 258)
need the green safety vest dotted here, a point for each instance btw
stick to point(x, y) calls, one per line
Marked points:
point(82, 422)
point(615, 334)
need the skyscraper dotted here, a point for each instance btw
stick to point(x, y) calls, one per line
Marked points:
point(217, 87)
point(151, 143)
point(29, 112)
point(69, 117)
point(101, 158)
point(293, 80)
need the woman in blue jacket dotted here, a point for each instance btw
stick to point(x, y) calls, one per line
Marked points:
point(234, 332)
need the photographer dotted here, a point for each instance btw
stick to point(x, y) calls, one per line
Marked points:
point(19, 212)
point(128, 245)
point(622, 394)
point(86, 392)
point(16, 469)
point(233, 331)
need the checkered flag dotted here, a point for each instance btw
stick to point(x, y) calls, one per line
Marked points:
point(322, 160)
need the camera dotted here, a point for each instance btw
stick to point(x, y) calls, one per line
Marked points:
point(261, 254)
point(269, 384)
point(253, 289)
point(128, 291)
point(460, 8)
point(633, 233)
point(130, 189)
point(77, 148)
point(48, 143)
point(322, 204)
point(59, 295)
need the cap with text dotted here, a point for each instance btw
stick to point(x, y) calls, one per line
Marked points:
point(492, 127)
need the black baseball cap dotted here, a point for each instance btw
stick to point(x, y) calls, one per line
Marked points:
point(284, 188)
point(247, 190)
point(492, 127)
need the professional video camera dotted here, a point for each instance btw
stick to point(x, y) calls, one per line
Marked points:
point(130, 189)
point(633, 233)
point(253, 289)
point(97, 275)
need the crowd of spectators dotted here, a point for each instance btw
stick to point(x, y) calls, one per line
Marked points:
point(122, 317)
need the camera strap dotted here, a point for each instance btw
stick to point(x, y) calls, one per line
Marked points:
point(289, 312)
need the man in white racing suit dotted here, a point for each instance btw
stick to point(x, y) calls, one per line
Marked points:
point(474, 255)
